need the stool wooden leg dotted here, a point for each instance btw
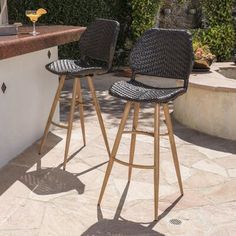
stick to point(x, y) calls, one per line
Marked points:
point(133, 138)
point(156, 158)
point(81, 110)
point(173, 146)
point(70, 121)
point(53, 108)
point(114, 149)
point(98, 111)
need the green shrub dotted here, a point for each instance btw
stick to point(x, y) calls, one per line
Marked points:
point(73, 12)
point(143, 15)
point(218, 11)
point(135, 16)
point(67, 12)
point(221, 39)
point(121, 12)
point(220, 35)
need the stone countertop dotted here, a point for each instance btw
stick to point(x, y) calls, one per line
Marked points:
point(213, 80)
point(50, 36)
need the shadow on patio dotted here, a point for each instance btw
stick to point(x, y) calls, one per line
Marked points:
point(120, 226)
point(19, 166)
point(66, 201)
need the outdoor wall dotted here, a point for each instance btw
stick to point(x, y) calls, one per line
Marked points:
point(208, 111)
point(208, 106)
point(25, 105)
point(182, 16)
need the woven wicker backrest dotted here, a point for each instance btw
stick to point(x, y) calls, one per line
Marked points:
point(163, 53)
point(99, 40)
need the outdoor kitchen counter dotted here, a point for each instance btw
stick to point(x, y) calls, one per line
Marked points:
point(209, 104)
point(49, 36)
point(27, 89)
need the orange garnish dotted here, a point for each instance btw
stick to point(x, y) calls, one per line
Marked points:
point(41, 11)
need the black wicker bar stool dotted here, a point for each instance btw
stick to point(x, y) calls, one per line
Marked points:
point(97, 46)
point(162, 53)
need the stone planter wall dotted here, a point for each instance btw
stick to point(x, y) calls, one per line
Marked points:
point(182, 16)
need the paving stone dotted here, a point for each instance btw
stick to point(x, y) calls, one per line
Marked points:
point(228, 162)
point(232, 173)
point(212, 154)
point(223, 230)
point(188, 155)
point(221, 193)
point(33, 232)
point(38, 198)
point(208, 165)
point(189, 200)
point(203, 179)
point(168, 171)
point(27, 216)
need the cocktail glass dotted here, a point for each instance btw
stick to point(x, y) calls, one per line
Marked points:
point(32, 14)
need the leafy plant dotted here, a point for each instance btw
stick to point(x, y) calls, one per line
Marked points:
point(218, 11)
point(220, 35)
point(143, 16)
point(202, 51)
point(135, 16)
point(221, 39)
point(69, 12)
point(202, 55)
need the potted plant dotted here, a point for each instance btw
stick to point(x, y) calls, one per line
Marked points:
point(203, 57)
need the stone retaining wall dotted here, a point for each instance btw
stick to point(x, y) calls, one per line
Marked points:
point(176, 15)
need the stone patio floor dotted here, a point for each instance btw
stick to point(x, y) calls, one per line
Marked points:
point(38, 198)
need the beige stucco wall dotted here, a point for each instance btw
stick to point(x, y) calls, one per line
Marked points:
point(25, 105)
point(208, 110)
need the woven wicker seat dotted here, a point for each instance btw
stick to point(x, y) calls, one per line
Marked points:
point(74, 68)
point(97, 46)
point(159, 53)
point(139, 92)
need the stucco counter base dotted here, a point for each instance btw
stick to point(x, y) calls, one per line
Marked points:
point(27, 89)
point(209, 105)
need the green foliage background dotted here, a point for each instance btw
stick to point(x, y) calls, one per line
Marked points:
point(143, 15)
point(220, 34)
point(135, 16)
point(66, 12)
